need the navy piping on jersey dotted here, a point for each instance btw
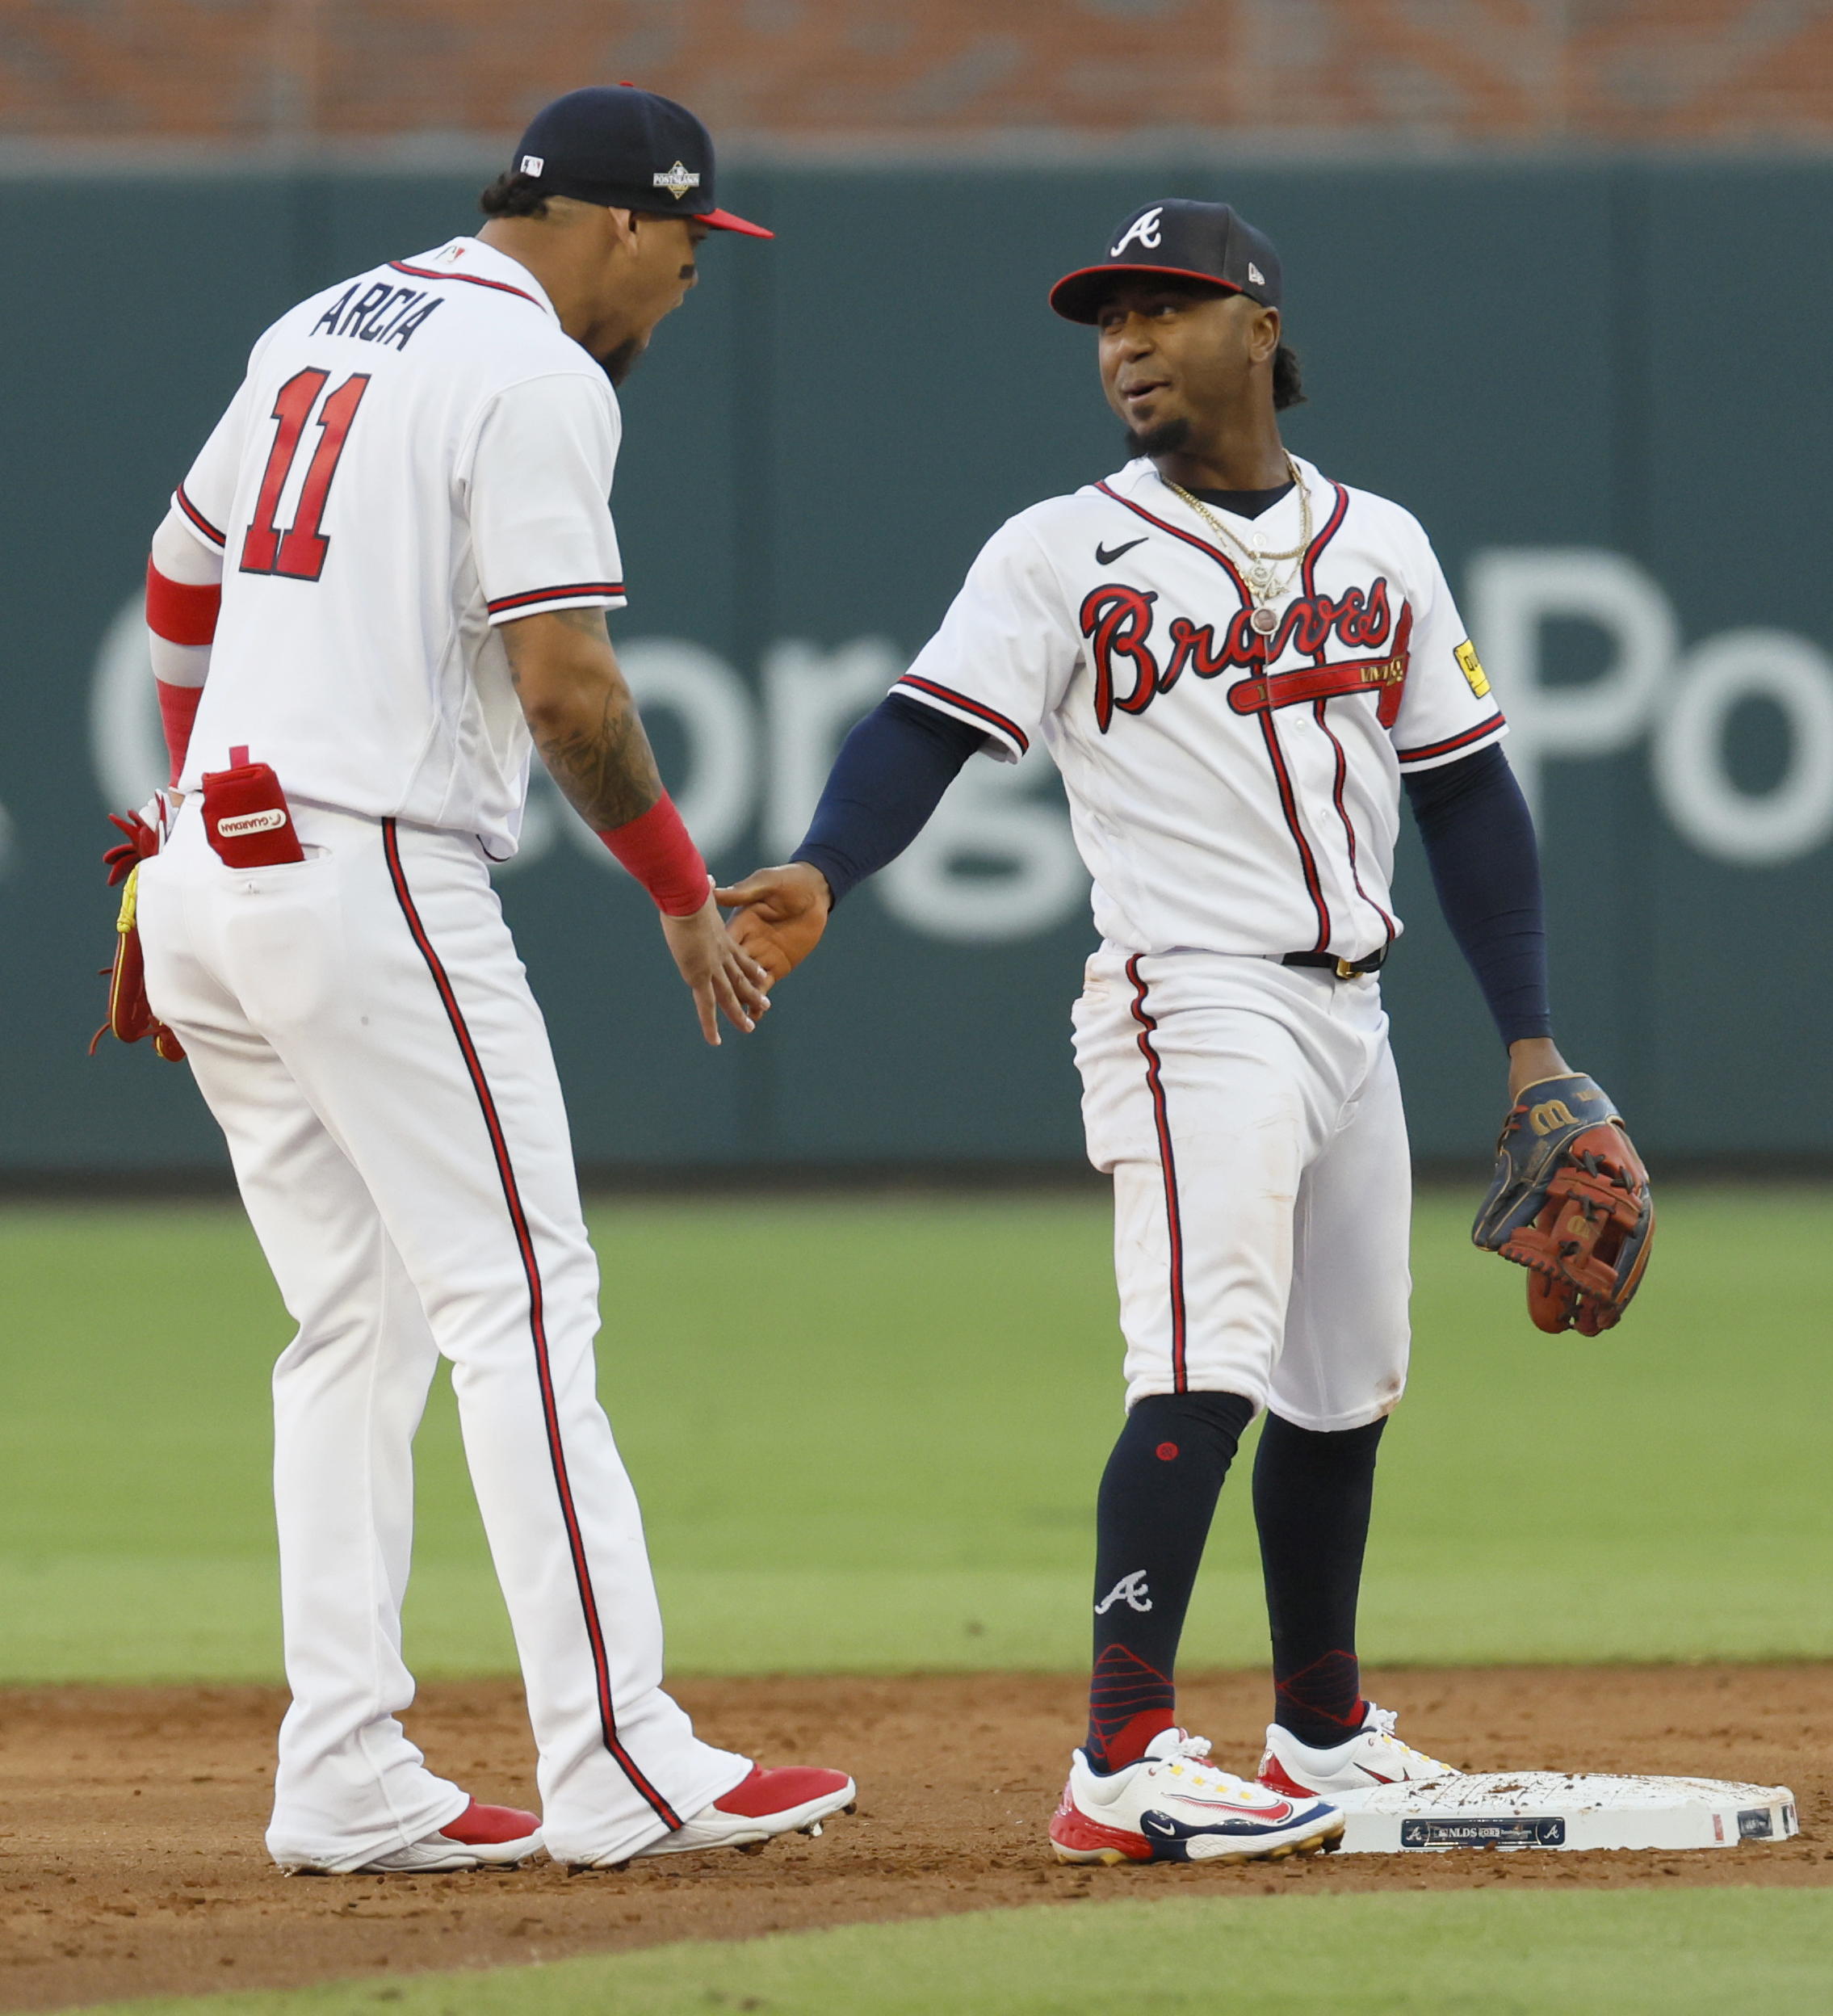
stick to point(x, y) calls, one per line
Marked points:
point(469, 279)
point(1189, 539)
point(1349, 827)
point(197, 518)
point(1316, 546)
point(975, 707)
point(1269, 734)
point(1288, 802)
point(537, 1325)
point(554, 594)
point(1451, 741)
point(1167, 1161)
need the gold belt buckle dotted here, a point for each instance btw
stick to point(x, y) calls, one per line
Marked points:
point(1345, 970)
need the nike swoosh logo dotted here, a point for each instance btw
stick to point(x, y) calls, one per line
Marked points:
point(1376, 1775)
point(1104, 558)
point(1274, 1812)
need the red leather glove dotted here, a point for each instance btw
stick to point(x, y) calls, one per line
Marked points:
point(129, 1016)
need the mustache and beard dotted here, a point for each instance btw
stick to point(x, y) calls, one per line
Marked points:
point(1165, 438)
point(618, 364)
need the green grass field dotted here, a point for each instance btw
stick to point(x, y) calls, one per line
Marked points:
point(1597, 1953)
point(868, 1437)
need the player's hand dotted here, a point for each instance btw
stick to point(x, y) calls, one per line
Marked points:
point(725, 979)
point(1531, 1059)
point(782, 914)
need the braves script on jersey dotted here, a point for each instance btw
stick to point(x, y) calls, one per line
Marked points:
point(436, 403)
point(1228, 793)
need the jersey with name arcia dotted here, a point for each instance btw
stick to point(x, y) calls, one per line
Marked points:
point(415, 456)
point(1229, 792)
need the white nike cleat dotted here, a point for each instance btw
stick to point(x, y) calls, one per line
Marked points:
point(1373, 1756)
point(1172, 1806)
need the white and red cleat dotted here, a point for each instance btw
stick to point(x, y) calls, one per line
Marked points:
point(481, 1837)
point(1172, 1806)
point(794, 1799)
point(1372, 1757)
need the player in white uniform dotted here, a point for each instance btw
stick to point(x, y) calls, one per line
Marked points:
point(402, 516)
point(1235, 663)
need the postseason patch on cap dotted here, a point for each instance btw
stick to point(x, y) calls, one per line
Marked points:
point(677, 180)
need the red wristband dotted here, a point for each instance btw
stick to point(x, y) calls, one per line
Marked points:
point(658, 849)
point(179, 611)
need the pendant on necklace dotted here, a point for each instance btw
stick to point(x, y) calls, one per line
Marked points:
point(1259, 579)
point(1263, 620)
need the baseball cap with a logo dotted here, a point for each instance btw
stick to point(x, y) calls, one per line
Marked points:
point(627, 149)
point(1181, 239)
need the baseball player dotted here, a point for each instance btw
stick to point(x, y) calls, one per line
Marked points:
point(386, 573)
point(1236, 663)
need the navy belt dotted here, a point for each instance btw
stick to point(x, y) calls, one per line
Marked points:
point(1344, 969)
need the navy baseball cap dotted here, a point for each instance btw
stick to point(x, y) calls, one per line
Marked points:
point(626, 149)
point(1185, 239)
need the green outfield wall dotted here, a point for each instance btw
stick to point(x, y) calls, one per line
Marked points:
point(1604, 388)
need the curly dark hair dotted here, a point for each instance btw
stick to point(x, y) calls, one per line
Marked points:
point(1287, 380)
point(514, 194)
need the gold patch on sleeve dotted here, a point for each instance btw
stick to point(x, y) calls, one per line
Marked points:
point(1471, 666)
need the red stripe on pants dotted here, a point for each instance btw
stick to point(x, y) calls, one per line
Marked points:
point(1167, 1161)
point(537, 1324)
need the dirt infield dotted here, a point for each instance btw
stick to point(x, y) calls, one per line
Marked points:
point(131, 1860)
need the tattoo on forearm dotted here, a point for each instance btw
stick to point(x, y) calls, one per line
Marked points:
point(607, 771)
point(604, 767)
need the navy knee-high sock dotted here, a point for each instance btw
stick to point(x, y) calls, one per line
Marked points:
point(1312, 1492)
point(1157, 1497)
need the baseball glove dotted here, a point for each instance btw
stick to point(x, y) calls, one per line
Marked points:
point(1570, 1202)
point(129, 1016)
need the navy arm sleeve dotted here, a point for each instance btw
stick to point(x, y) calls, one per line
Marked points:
point(1485, 863)
point(889, 776)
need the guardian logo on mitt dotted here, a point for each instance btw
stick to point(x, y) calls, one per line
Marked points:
point(251, 822)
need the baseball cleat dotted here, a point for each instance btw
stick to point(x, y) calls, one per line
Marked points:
point(1373, 1756)
point(481, 1837)
point(1172, 1806)
point(794, 1799)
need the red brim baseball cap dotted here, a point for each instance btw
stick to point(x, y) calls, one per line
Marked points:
point(1180, 240)
point(627, 149)
point(724, 220)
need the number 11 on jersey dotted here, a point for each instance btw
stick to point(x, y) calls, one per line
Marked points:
point(299, 552)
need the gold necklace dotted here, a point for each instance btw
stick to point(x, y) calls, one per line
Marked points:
point(1258, 562)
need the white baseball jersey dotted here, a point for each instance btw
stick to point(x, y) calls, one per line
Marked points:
point(1228, 793)
point(415, 456)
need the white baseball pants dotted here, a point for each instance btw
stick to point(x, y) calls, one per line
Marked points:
point(364, 1034)
point(1250, 1116)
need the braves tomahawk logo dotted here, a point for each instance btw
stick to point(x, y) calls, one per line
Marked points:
point(1130, 1589)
